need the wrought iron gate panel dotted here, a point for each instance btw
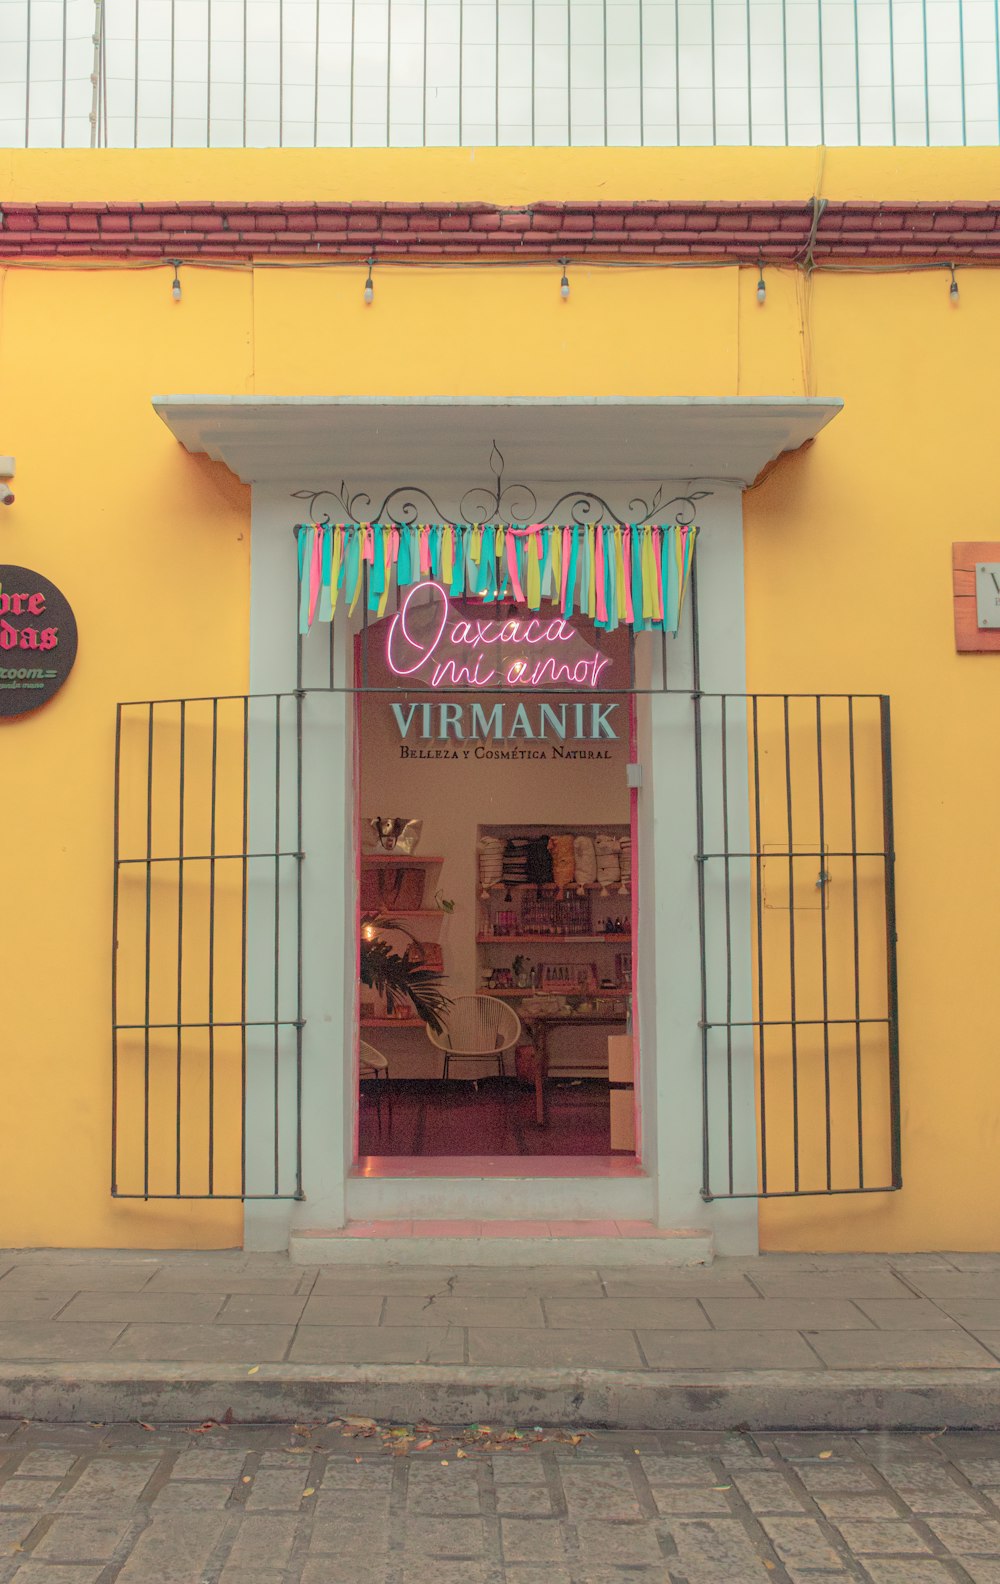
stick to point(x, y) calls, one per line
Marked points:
point(206, 967)
point(812, 1015)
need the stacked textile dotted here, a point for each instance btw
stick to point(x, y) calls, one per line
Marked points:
point(490, 850)
point(625, 860)
point(515, 861)
point(563, 863)
point(609, 871)
point(584, 860)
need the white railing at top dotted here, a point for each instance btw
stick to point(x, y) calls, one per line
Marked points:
point(405, 73)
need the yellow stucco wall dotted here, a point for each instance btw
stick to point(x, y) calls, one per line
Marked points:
point(848, 574)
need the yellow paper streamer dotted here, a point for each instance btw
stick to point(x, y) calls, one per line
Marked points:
point(534, 580)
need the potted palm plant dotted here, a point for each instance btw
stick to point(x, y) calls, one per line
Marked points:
point(399, 977)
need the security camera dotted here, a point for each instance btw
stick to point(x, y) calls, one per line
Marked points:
point(6, 494)
point(6, 474)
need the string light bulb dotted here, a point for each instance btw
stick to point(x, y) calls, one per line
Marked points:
point(175, 290)
point(761, 287)
point(564, 283)
point(369, 284)
point(953, 288)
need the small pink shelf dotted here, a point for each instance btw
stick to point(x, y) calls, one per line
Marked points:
point(392, 1023)
point(407, 858)
point(613, 888)
point(568, 993)
point(394, 912)
point(549, 940)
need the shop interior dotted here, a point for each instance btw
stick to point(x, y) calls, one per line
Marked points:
point(496, 898)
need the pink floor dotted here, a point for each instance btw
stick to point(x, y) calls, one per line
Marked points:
point(436, 1119)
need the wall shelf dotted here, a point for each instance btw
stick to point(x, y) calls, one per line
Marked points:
point(382, 921)
point(563, 995)
point(550, 940)
point(407, 858)
point(561, 923)
point(406, 1023)
point(613, 888)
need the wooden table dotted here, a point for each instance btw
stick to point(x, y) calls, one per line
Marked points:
point(540, 1024)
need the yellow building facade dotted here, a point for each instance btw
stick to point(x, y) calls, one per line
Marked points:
point(847, 589)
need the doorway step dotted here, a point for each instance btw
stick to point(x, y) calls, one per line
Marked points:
point(512, 1243)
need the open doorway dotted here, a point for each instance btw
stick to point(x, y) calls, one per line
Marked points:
point(496, 885)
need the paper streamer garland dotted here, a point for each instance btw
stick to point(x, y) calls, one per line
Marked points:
point(614, 573)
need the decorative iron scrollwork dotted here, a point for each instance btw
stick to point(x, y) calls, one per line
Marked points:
point(408, 504)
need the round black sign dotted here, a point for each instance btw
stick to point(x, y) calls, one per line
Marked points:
point(37, 640)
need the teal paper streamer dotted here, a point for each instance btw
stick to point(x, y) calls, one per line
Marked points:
point(546, 573)
point(458, 566)
point(403, 578)
point(376, 583)
point(571, 577)
point(478, 572)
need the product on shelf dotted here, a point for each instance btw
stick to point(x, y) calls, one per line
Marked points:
point(388, 886)
point(563, 865)
point(573, 914)
point(625, 860)
point(399, 835)
point(557, 903)
point(539, 861)
point(426, 954)
point(585, 860)
point(491, 850)
point(609, 871)
point(514, 869)
point(567, 978)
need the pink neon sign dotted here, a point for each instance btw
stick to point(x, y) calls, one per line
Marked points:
point(409, 653)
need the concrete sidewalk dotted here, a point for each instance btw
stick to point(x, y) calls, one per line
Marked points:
point(853, 1342)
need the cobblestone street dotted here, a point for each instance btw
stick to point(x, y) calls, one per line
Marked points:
point(333, 1505)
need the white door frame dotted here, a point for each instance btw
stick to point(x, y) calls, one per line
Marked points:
point(669, 1007)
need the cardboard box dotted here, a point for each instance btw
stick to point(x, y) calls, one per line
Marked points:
point(623, 1119)
point(621, 1060)
point(621, 1072)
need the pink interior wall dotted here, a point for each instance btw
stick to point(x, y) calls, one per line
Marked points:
point(455, 795)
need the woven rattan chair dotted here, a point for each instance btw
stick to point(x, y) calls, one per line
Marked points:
point(478, 1026)
point(376, 1066)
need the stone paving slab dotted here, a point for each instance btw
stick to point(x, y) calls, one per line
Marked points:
point(647, 1346)
point(325, 1503)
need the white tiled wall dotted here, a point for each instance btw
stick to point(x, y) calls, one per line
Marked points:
point(448, 72)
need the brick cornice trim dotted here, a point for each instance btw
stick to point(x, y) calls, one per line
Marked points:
point(778, 232)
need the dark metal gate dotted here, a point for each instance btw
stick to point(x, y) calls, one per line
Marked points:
point(804, 1028)
point(793, 843)
point(206, 961)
